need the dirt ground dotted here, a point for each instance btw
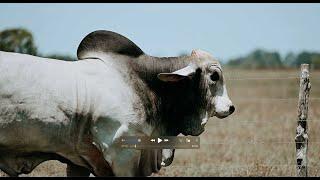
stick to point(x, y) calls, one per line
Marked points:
point(257, 140)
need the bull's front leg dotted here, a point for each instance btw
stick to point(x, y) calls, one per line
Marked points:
point(132, 162)
point(124, 162)
point(93, 157)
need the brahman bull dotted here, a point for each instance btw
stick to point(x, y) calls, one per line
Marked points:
point(74, 111)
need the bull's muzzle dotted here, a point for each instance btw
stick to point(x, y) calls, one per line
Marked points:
point(223, 106)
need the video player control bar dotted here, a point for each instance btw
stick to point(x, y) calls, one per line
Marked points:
point(163, 142)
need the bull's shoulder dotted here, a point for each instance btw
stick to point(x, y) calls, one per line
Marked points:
point(107, 42)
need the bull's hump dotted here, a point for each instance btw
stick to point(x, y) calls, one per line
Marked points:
point(107, 42)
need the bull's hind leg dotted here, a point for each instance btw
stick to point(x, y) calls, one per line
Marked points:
point(95, 159)
point(10, 172)
point(75, 170)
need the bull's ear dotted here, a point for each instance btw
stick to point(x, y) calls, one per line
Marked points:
point(178, 75)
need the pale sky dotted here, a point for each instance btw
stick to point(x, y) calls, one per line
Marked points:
point(224, 30)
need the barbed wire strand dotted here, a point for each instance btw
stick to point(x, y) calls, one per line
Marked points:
point(272, 99)
point(256, 142)
point(267, 78)
point(233, 120)
point(228, 166)
point(260, 78)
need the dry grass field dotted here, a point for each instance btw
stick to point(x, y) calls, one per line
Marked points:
point(257, 140)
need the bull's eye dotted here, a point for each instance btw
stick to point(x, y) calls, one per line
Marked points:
point(214, 76)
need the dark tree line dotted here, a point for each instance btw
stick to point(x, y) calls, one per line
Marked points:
point(262, 59)
point(17, 40)
point(20, 40)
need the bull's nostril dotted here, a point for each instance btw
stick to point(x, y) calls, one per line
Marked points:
point(232, 109)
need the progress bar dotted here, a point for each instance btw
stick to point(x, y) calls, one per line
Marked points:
point(163, 142)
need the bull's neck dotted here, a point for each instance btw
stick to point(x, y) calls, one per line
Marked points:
point(148, 67)
point(167, 97)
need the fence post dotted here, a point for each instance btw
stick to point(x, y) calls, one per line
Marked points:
point(301, 138)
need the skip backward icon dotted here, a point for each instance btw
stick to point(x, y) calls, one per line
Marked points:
point(159, 140)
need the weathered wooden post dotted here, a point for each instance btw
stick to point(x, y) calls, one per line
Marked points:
point(302, 131)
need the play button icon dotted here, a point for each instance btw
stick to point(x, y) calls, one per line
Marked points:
point(159, 140)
